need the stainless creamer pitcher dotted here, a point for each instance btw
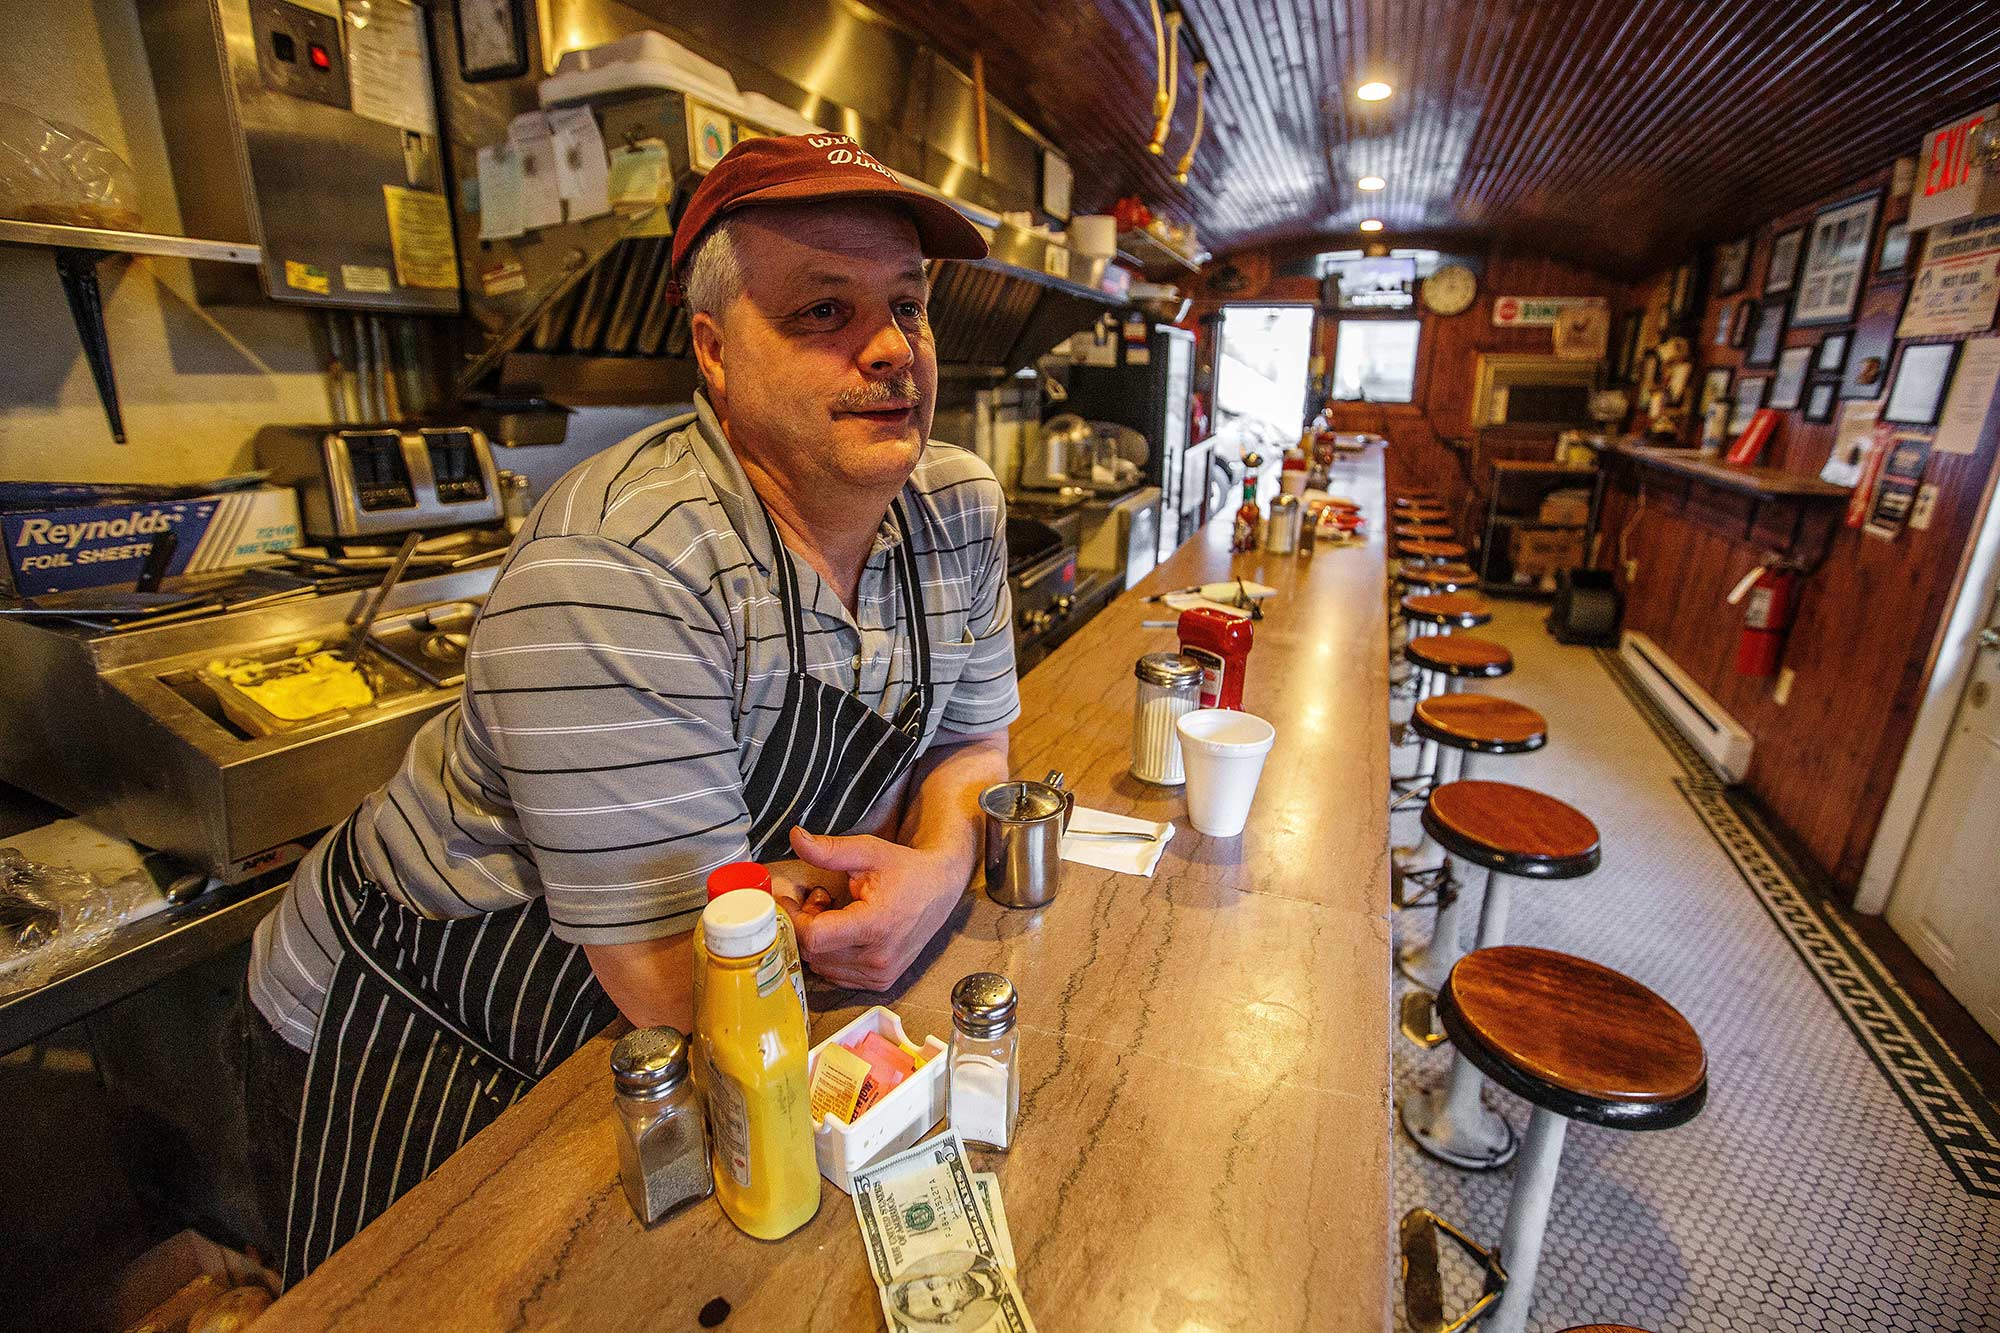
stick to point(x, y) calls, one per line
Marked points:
point(1024, 828)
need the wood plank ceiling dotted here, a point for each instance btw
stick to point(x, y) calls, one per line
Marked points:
point(1616, 133)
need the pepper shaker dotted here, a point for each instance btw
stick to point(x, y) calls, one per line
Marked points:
point(662, 1142)
point(984, 1097)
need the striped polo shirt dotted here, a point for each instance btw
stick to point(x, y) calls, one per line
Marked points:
point(622, 680)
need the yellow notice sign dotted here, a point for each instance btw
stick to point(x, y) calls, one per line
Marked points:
point(306, 277)
point(420, 236)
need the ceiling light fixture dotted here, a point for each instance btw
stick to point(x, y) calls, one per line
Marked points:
point(1372, 183)
point(1372, 224)
point(1374, 91)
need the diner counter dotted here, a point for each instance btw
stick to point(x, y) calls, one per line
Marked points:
point(1204, 1138)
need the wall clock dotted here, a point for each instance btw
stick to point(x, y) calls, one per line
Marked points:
point(1450, 289)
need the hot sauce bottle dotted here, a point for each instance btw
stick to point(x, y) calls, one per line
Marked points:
point(1249, 533)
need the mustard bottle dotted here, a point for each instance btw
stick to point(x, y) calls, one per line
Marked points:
point(753, 1042)
point(750, 875)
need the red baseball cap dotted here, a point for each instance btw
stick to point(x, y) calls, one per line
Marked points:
point(798, 167)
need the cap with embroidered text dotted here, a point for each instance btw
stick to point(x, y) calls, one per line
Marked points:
point(800, 168)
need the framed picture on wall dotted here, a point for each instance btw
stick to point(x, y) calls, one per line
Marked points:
point(1747, 397)
point(1836, 261)
point(1767, 334)
point(1893, 255)
point(1830, 357)
point(1923, 373)
point(1681, 295)
point(1715, 386)
point(1788, 386)
point(1628, 346)
point(1820, 400)
point(1783, 269)
point(1739, 321)
point(1874, 337)
point(1732, 266)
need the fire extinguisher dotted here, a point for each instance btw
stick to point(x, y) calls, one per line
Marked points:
point(1769, 594)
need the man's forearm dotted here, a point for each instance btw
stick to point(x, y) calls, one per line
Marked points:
point(942, 815)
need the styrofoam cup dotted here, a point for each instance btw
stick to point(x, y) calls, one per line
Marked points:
point(1223, 753)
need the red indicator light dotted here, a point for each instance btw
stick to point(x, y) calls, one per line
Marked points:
point(317, 54)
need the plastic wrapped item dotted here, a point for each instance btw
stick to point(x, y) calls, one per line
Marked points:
point(50, 915)
point(52, 172)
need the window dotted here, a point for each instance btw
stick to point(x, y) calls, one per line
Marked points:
point(1375, 360)
point(1261, 367)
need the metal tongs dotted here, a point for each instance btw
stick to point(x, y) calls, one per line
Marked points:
point(373, 607)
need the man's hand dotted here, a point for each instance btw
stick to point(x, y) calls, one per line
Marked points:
point(901, 896)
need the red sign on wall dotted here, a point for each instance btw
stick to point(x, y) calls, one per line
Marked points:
point(1948, 187)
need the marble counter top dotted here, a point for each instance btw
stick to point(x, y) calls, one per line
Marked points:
point(1204, 1139)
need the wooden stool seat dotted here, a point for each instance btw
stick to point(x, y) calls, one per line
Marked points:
point(1463, 609)
point(1514, 830)
point(1425, 515)
point(1423, 531)
point(1415, 495)
point(1578, 1039)
point(1480, 723)
point(1440, 578)
point(1432, 550)
point(1459, 655)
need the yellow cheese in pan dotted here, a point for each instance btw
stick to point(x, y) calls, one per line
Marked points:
point(298, 688)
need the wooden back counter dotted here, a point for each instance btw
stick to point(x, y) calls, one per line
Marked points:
point(1204, 1133)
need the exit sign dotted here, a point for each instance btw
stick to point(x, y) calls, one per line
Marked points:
point(1948, 185)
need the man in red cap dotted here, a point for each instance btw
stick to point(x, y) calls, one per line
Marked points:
point(776, 629)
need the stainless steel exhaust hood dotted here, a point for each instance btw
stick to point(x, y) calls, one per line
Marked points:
point(577, 313)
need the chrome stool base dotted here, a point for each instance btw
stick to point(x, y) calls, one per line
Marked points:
point(1483, 1141)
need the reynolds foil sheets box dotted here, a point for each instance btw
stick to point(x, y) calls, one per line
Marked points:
point(100, 545)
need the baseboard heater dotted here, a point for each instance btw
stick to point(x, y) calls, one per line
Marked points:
point(1701, 719)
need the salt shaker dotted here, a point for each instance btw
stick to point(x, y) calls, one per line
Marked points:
point(662, 1144)
point(1281, 533)
point(985, 1091)
point(1169, 685)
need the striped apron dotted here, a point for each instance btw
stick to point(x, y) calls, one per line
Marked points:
point(431, 1029)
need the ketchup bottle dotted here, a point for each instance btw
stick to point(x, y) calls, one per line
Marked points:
point(1221, 643)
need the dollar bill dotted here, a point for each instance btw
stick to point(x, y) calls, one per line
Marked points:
point(987, 1186)
point(935, 1246)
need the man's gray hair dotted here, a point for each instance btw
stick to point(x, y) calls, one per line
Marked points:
point(715, 273)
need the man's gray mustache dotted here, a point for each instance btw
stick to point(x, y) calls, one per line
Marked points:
point(902, 389)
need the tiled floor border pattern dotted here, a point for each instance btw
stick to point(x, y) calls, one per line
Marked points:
point(1941, 1095)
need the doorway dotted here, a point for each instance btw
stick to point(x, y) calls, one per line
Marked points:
point(1261, 363)
point(1946, 903)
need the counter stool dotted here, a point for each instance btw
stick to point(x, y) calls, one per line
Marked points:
point(1439, 578)
point(1579, 1042)
point(1509, 831)
point(1460, 726)
point(1442, 660)
point(1431, 550)
point(1443, 611)
point(1415, 495)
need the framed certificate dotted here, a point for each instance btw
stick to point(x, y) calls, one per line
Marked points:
point(1836, 264)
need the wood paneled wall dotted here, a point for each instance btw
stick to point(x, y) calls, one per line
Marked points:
point(1864, 637)
point(1432, 440)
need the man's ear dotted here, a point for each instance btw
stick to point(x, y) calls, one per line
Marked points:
point(707, 335)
